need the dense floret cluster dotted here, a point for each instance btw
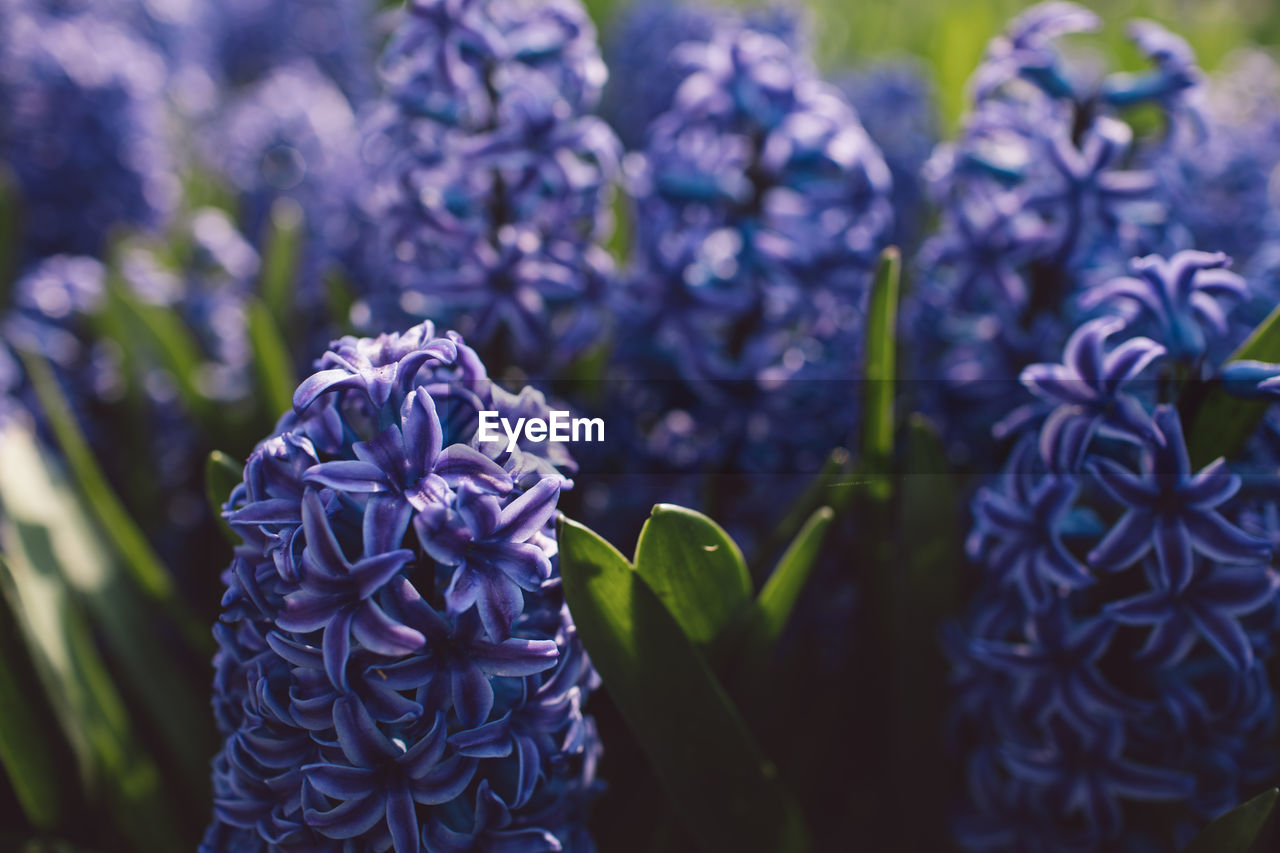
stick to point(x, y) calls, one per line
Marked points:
point(82, 129)
point(1046, 191)
point(492, 181)
point(761, 207)
point(1116, 651)
point(397, 668)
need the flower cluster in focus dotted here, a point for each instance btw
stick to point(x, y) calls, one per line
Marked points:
point(396, 666)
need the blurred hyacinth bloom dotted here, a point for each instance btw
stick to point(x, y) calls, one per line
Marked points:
point(761, 207)
point(83, 130)
point(123, 405)
point(643, 52)
point(248, 39)
point(396, 666)
point(1116, 652)
point(1045, 191)
point(491, 180)
point(292, 137)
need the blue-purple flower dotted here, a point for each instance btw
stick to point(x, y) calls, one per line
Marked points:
point(84, 130)
point(1116, 651)
point(491, 179)
point(397, 669)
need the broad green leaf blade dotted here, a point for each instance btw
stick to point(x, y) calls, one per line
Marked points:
point(271, 364)
point(726, 792)
point(222, 473)
point(115, 522)
point(772, 609)
point(880, 374)
point(1237, 830)
point(29, 740)
point(1223, 423)
point(280, 260)
point(695, 569)
point(41, 509)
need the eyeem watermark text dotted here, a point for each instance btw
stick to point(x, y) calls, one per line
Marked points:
point(559, 427)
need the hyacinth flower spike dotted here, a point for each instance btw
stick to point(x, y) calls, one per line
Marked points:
point(1172, 511)
point(1027, 49)
point(1086, 391)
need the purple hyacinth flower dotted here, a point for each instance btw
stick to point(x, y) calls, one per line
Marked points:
point(1026, 49)
point(1179, 297)
point(1174, 73)
point(1210, 607)
point(1055, 670)
point(487, 543)
point(1086, 393)
point(1172, 511)
point(1087, 772)
point(1257, 380)
point(356, 660)
point(1017, 535)
point(383, 778)
point(337, 596)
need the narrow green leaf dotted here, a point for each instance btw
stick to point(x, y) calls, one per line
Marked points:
point(170, 344)
point(339, 297)
point(725, 791)
point(222, 473)
point(880, 374)
point(271, 363)
point(817, 492)
point(920, 589)
point(41, 509)
point(772, 609)
point(10, 232)
point(114, 520)
point(28, 741)
point(695, 569)
point(1223, 423)
point(1237, 830)
point(280, 260)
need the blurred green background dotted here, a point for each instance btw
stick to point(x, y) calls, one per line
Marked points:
point(950, 35)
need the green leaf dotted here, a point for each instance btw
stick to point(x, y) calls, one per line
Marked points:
point(339, 297)
point(171, 344)
point(113, 519)
point(280, 260)
point(222, 473)
point(772, 609)
point(271, 363)
point(880, 373)
point(1237, 830)
point(1223, 423)
point(724, 789)
point(28, 742)
point(695, 569)
point(825, 489)
point(36, 575)
point(10, 232)
point(46, 522)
